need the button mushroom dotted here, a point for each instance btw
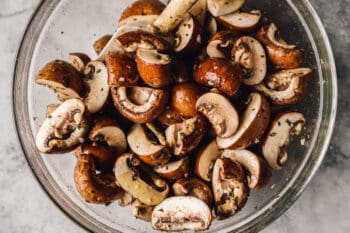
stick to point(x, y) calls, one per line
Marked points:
point(278, 137)
point(79, 61)
point(137, 179)
point(188, 38)
point(142, 211)
point(142, 8)
point(149, 144)
point(64, 128)
point(220, 112)
point(287, 86)
point(258, 171)
point(223, 7)
point(229, 187)
point(181, 213)
point(62, 78)
point(220, 45)
point(250, 54)
point(199, 11)
point(169, 117)
point(253, 124)
point(205, 160)
point(241, 21)
point(174, 170)
point(180, 71)
point(148, 109)
point(280, 53)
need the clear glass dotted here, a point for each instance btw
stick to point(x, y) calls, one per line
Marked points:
point(62, 26)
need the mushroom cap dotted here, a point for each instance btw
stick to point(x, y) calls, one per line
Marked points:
point(101, 42)
point(205, 160)
point(79, 61)
point(220, 45)
point(180, 71)
point(174, 170)
point(103, 155)
point(241, 21)
point(188, 36)
point(169, 117)
point(143, 7)
point(198, 11)
point(224, 7)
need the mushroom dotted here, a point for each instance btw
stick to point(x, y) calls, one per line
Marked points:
point(280, 53)
point(149, 144)
point(122, 70)
point(184, 98)
point(103, 156)
point(188, 38)
point(139, 112)
point(141, 8)
point(174, 170)
point(198, 11)
point(250, 54)
point(79, 61)
point(287, 86)
point(50, 108)
point(181, 213)
point(220, 113)
point(169, 117)
point(110, 47)
point(138, 180)
point(220, 45)
point(101, 43)
point(180, 71)
point(252, 126)
point(154, 67)
point(142, 21)
point(142, 211)
point(275, 145)
point(108, 131)
point(241, 21)
point(63, 129)
point(258, 171)
point(193, 187)
point(126, 199)
point(211, 26)
point(184, 137)
point(219, 73)
point(229, 187)
point(224, 7)
point(205, 160)
point(62, 78)
point(96, 82)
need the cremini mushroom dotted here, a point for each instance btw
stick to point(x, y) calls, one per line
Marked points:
point(220, 113)
point(229, 187)
point(188, 37)
point(142, 8)
point(224, 7)
point(110, 46)
point(174, 170)
point(64, 129)
point(241, 21)
point(281, 54)
point(199, 11)
point(220, 45)
point(258, 171)
point(126, 199)
point(205, 160)
point(211, 26)
point(180, 71)
point(138, 180)
point(63, 79)
point(252, 126)
point(79, 61)
point(169, 117)
point(103, 156)
point(278, 137)
point(181, 213)
point(149, 144)
point(152, 104)
point(101, 42)
point(287, 86)
point(142, 211)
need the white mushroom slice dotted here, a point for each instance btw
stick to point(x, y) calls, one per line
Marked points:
point(282, 129)
point(199, 10)
point(272, 35)
point(64, 129)
point(96, 82)
point(139, 95)
point(223, 7)
point(141, 21)
point(220, 45)
point(79, 60)
point(50, 108)
point(241, 21)
point(250, 54)
point(181, 213)
point(111, 46)
point(188, 37)
point(142, 211)
point(205, 160)
point(220, 112)
point(174, 170)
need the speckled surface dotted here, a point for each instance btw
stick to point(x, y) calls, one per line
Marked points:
point(323, 207)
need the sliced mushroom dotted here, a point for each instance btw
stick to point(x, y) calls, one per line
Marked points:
point(110, 47)
point(181, 213)
point(149, 144)
point(193, 187)
point(101, 43)
point(278, 137)
point(108, 131)
point(280, 53)
point(62, 78)
point(188, 38)
point(126, 199)
point(154, 67)
point(96, 83)
point(224, 7)
point(174, 170)
point(258, 171)
point(241, 21)
point(141, 20)
point(205, 160)
point(250, 54)
point(79, 61)
point(122, 70)
point(137, 112)
point(142, 211)
point(142, 7)
point(253, 124)
point(50, 108)
point(169, 117)
point(199, 10)
point(103, 156)
point(220, 112)
point(64, 128)
point(229, 187)
point(184, 137)
point(137, 179)
point(287, 86)
point(220, 45)
point(219, 73)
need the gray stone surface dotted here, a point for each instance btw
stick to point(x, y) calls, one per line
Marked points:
point(323, 207)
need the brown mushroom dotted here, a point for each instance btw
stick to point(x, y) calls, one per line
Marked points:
point(101, 42)
point(188, 38)
point(110, 47)
point(174, 170)
point(278, 137)
point(142, 211)
point(143, 7)
point(287, 86)
point(180, 71)
point(280, 53)
point(50, 108)
point(241, 21)
point(137, 179)
point(205, 160)
point(169, 117)
point(224, 7)
point(79, 61)
point(126, 199)
point(103, 156)
point(220, 45)
point(139, 112)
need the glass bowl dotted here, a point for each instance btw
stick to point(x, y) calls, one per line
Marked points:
point(63, 26)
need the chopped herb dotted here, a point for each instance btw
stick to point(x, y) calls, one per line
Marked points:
point(49, 116)
point(102, 89)
point(78, 126)
point(35, 118)
point(133, 177)
point(166, 167)
point(186, 34)
point(279, 123)
point(289, 122)
point(273, 134)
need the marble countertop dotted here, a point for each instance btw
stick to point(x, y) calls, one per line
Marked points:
point(323, 207)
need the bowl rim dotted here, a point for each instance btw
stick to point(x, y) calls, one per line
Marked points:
point(258, 222)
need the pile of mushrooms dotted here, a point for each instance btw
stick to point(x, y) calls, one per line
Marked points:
point(176, 115)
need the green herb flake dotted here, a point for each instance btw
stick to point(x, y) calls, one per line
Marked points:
point(273, 134)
